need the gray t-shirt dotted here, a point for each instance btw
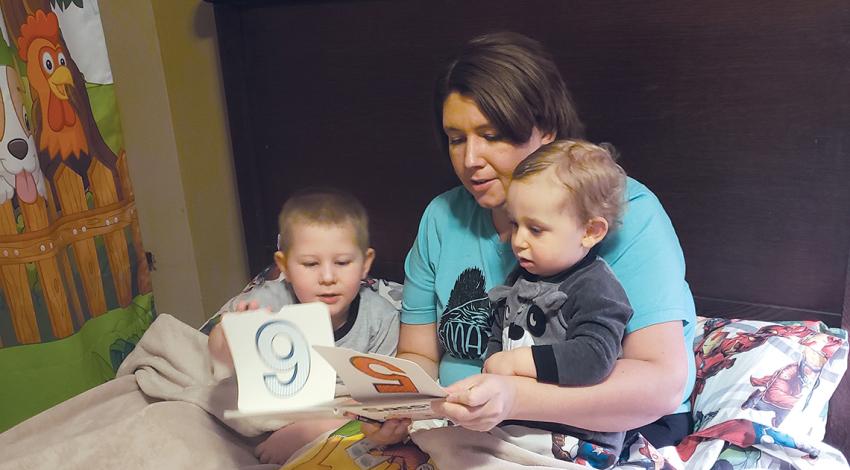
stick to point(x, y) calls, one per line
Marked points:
point(372, 325)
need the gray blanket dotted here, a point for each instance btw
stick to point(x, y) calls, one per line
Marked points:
point(125, 423)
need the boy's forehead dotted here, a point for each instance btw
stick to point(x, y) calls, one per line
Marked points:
point(297, 228)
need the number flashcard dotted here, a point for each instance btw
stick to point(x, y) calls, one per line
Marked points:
point(385, 387)
point(286, 367)
point(276, 368)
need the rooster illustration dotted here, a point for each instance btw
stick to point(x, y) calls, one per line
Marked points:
point(51, 81)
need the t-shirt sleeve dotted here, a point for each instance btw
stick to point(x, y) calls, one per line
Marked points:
point(648, 261)
point(419, 298)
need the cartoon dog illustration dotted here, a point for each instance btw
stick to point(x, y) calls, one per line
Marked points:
point(19, 169)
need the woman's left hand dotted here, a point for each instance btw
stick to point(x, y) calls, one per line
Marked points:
point(479, 402)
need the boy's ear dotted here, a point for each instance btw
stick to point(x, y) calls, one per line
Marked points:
point(368, 257)
point(280, 261)
point(594, 231)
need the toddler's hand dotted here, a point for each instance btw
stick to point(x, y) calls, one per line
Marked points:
point(517, 361)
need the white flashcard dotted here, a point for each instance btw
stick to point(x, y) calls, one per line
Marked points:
point(276, 369)
point(375, 376)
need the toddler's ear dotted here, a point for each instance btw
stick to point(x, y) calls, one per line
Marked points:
point(280, 261)
point(368, 257)
point(595, 231)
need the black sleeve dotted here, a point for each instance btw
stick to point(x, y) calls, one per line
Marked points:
point(595, 317)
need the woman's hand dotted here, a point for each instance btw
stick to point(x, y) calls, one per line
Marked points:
point(391, 431)
point(479, 402)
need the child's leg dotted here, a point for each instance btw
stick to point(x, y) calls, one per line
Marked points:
point(284, 442)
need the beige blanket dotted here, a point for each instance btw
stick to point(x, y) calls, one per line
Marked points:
point(125, 424)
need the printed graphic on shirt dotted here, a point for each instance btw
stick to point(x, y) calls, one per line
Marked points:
point(465, 324)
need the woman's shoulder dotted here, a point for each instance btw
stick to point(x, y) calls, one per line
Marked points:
point(457, 198)
point(453, 207)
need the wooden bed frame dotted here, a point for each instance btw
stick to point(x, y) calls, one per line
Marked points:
point(735, 114)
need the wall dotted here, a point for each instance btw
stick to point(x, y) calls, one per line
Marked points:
point(168, 83)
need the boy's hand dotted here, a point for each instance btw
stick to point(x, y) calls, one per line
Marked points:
point(217, 342)
point(517, 361)
point(392, 431)
point(245, 306)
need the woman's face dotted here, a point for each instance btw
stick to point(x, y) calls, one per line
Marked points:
point(482, 159)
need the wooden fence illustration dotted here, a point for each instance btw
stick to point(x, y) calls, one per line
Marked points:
point(45, 241)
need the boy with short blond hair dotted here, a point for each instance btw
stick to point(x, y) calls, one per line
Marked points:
point(562, 318)
point(324, 254)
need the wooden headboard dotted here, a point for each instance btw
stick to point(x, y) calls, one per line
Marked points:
point(736, 114)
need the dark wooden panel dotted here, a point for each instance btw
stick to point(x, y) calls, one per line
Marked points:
point(735, 114)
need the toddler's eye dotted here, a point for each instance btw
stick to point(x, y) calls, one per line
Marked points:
point(309, 264)
point(343, 262)
point(535, 230)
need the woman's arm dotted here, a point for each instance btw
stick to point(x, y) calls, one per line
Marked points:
point(418, 343)
point(646, 384)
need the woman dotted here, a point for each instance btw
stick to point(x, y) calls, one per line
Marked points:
point(500, 100)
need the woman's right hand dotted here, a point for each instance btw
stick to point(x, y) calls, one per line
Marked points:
point(391, 431)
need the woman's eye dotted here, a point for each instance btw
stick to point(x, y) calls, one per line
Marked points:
point(455, 140)
point(492, 137)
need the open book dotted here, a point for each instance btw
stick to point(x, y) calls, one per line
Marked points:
point(286, 367)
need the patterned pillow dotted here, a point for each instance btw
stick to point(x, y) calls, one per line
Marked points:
point(778, 375)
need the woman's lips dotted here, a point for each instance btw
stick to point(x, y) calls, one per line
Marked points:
point(481, 185)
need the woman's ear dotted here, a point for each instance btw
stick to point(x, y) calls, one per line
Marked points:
point(594, 231)
point(547, 138)
point(368, 257)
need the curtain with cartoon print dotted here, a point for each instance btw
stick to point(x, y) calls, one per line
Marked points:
point(75, 293)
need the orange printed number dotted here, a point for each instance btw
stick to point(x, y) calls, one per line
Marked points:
point(402, 384)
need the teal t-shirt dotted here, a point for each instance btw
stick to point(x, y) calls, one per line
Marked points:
point(457, 257)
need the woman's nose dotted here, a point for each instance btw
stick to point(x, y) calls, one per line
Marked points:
point(472, 153)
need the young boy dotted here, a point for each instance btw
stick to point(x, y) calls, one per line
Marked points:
point(561, 319)
point(324, 255)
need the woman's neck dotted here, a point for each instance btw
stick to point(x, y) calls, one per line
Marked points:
point(501, 223)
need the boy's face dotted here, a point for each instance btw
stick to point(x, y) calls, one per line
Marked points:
point(546, 236)
point(325, 264)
